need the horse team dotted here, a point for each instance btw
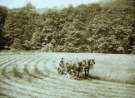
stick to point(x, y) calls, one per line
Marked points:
point(78, 69)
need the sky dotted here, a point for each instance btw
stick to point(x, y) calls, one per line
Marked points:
point(43, 3)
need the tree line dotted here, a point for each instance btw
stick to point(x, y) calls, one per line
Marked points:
point(103, 28)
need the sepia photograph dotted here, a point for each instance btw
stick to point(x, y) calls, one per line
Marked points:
point(67, 48)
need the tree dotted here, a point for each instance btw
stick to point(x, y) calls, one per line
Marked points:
point(21, 23)
point(16, 45)
point(107, 28)
point(3, 15)
point(36, 40)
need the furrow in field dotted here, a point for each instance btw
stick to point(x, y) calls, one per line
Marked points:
point(87, 88)
point(30, 68)
point(40, 92)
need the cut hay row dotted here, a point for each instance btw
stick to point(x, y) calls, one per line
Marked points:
point(122, 91)
point(5, 60)
point(50, 84)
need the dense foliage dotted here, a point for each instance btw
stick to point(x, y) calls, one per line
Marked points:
point(3, 15)
point(106, 28)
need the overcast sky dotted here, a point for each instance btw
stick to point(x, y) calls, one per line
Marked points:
point(43, 3)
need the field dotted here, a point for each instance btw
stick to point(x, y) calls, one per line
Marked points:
point(34, 75)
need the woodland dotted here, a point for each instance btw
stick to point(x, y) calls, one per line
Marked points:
point(95, 28)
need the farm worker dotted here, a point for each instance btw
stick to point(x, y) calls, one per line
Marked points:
point(61, 66)
point(67, 67)
point(79, 68)
point(88, 66)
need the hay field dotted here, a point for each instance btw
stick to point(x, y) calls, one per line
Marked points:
point(34, 75)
